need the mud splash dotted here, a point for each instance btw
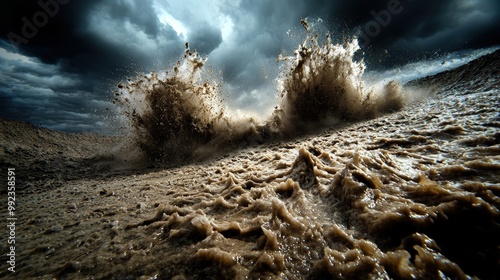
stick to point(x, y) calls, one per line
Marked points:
point(175, 116)
point(180, 115)
point(325, 85)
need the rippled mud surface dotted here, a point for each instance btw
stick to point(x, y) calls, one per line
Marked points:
point(410, 195)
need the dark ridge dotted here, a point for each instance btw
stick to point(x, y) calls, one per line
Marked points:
point(484, 70)
point(40, 155)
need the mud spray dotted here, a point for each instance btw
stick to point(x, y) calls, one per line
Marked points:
point(179, 114)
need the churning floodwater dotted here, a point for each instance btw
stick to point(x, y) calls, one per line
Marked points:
point(343, 180)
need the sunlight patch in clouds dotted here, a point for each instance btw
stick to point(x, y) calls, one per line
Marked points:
point(168, 19)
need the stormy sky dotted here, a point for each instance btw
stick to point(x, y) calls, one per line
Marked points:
point(61, 59)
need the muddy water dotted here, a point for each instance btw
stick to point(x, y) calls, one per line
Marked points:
point(411, 195)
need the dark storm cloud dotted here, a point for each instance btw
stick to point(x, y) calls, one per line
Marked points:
point(63, 76)
point(451, 25)
point(39, 93)
point(205, 39)
point(140, 14)
point(76, 58)
point(421, 28)
point(92, 36)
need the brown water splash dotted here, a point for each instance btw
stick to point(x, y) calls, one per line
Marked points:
point(175, 116)
point(179, 115)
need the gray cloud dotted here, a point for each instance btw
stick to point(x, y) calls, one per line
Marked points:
point(38, 93)
point(204, 39)
point(422, 28)
point(140, 14)
point(65, 75)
